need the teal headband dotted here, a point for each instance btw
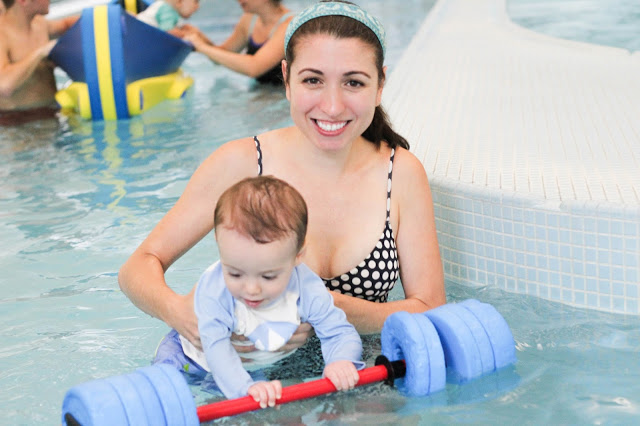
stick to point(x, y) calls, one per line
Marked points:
point(335, 8)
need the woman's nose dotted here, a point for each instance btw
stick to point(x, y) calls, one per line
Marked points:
point(333, 101)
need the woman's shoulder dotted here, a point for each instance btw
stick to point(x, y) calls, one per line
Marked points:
point(245, 21)
point(237, 150)
point(408, 171)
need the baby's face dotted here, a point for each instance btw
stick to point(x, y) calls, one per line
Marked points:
point(186, 8)
point(255, 274)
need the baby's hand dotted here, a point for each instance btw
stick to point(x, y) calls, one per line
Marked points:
point(343, 374)
point(194, 39)
point(266, 393)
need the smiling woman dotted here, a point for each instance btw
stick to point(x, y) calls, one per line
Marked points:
point(368, 226)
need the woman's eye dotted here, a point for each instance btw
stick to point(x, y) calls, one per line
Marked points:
point(354, 83)
point(311, 80)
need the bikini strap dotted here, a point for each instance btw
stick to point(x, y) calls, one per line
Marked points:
point(280, 21)
point(393, 155)
point(255, 139)
point(252, 24)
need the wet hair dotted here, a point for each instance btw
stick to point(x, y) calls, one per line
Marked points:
point(264, 208)
point(8, 3)
point(345, 27)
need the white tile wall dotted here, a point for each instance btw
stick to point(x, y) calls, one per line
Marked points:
point(582, 254)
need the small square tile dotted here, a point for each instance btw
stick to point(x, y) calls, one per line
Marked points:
point(605, 301)
point(618, 304)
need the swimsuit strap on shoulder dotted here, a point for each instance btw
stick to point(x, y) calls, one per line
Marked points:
point(393, 155)
point(259, 152)
point(252, 24)
point(280, 21)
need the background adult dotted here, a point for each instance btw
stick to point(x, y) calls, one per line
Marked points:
point(26, 77)
point(370, 206)
point(260, 31)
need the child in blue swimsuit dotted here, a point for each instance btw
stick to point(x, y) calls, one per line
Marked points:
point(261, 290)
point(166, 14)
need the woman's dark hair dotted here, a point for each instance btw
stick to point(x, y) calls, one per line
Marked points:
point(345, 27)
point(8, 3)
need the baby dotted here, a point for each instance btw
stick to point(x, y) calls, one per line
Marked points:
point(261, 290)
point(166, 14)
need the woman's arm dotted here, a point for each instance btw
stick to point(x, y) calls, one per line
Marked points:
point(240, 35)
point(142, 278)
point(267, 57)
point(418, 252)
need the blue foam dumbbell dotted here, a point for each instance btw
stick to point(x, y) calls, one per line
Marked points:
point(152, 395)
point(414, 339)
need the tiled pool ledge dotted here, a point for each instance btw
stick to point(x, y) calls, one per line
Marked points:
point(532, 147)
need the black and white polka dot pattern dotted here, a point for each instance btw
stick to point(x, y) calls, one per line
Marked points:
point(375, 276)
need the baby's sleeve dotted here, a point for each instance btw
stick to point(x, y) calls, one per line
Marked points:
point(339, 339)
point(167, 17)
point(214, 309)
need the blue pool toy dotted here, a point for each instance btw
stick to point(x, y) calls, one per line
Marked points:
point(414, 339)
point(152, 395)
point(120, 66)
point(497, 329)
point(419, 352)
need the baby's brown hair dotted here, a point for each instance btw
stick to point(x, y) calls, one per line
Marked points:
point(264, 208)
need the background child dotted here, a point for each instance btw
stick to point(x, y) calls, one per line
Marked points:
point(166, 14)
point(260, 289)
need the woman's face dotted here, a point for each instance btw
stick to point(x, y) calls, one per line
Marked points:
point(333, 87)
point(251, 6)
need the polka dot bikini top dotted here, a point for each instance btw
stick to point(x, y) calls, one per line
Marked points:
point(376, 275)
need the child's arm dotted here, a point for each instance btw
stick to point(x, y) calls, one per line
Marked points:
point(214, 307)
point(340, 340)
point(343, 374)
point(266, 393)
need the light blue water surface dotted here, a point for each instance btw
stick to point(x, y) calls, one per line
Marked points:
point(76, 198)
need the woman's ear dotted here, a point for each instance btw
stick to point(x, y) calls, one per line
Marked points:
point(284, 64)
point(383, 79)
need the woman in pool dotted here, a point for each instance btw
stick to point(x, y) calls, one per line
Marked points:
point(261, 31)
point(355, 173)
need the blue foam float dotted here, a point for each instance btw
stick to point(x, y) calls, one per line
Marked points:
point(154, 395)
point(414, 339)
point(472, 333)
point(497, 329)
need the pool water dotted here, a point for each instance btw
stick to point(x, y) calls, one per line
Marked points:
point(77, 198)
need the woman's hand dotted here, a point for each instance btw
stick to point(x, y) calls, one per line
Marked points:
point(266, 393)
point(343, 374)
point(196, 40)
point(299, 338)
point(243, 345)
point(184, 319)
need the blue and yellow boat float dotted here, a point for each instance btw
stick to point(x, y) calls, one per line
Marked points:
point(120, 66)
